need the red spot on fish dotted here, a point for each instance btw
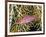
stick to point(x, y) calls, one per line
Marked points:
point(26, 19)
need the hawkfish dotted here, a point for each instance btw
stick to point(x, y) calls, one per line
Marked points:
point(26, 19)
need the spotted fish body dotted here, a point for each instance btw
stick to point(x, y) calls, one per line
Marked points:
point(26, 19)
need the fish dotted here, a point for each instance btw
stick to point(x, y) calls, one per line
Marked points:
point(26, 19)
